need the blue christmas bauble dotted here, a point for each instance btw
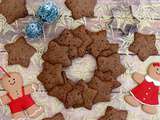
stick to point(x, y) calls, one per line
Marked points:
point(34, 29)
point(48, 12)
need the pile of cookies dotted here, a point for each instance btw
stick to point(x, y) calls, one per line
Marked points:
point(76, 43)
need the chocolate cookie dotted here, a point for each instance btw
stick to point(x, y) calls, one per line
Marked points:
point(100, 43)
point(61, 92)
point(58, 116)
point(74, 98)
point(13, 9)
point(19, 52)
point(72, 42)
point(88, 94)
point(143, 45)
point(111, 63)
point(51, 75)
point(114, 114)
point(107, 76)
point(113, 49)
point(104, 89)
point(57, 54)
point(81, 8)
point(81, 32)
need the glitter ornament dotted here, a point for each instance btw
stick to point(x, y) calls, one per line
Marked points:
point(34, 29)
point(48, 12)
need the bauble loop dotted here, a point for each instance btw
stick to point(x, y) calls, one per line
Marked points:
point(48, 12)
point(34, 29)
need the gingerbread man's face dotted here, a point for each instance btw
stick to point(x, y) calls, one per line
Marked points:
point(154, 71)
point(15, 81)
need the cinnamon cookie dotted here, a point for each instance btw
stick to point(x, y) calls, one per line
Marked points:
point(51, 75)
point(99, 43)
point(143, 45)
point(107, 76)
point(88, 94)
point(113, 49)
point(104, 89)
point(61, 91)
point(72, 42)
point(57, 54)
point(81, 8)
point(13, 9)
point(19, 52)
point(114, 114)
point(81, 32)
point(74, 98)
point(111, 63)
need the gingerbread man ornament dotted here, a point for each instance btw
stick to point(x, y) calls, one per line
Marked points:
point(146, 93)
point(18, 97)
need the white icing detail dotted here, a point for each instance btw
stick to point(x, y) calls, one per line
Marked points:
point(149, 79)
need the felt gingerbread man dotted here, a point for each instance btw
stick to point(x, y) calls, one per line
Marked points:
point(146, 93)
point(18, 97)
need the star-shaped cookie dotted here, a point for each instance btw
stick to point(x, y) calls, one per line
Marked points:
point(61, 92)
point(72, 42)
point(13, 9)
point(57, 54)
point(104, 89)
point(114, 114)
point(74, 98)
point(111, 63)
point(88, 94)
point(51, 75)
point(99, 42)
point(19, 52)
point(81, 8)
point(82, 33)
point(143, 45)
point(107, 76)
